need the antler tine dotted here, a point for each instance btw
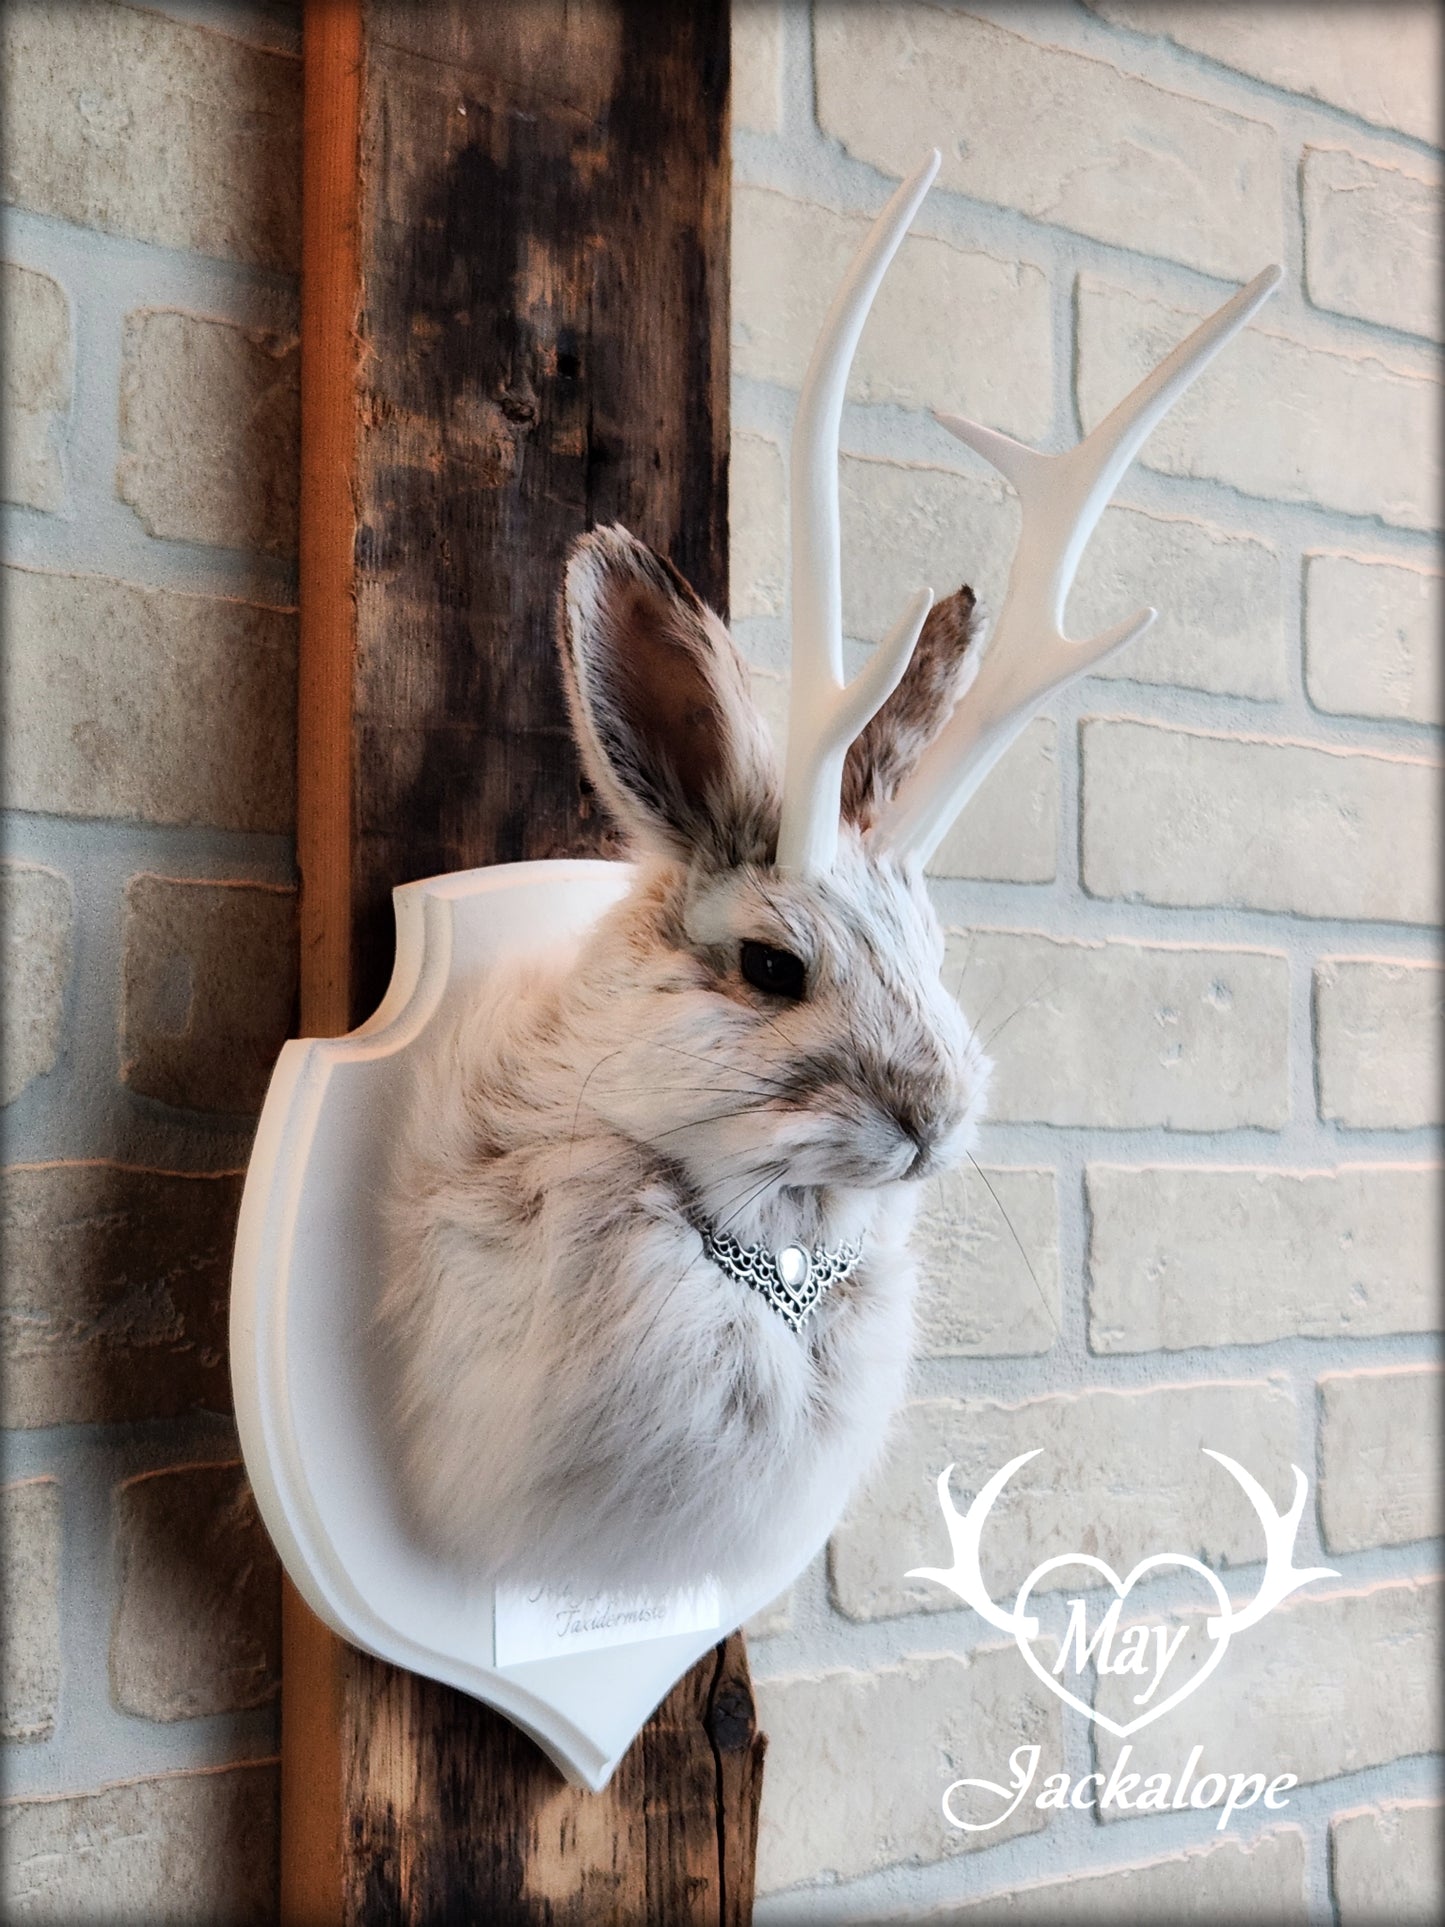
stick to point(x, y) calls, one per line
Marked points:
point(825, 713)
point(1028, 657)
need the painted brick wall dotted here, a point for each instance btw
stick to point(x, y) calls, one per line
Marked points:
point(150, 298)
point(1195, 910)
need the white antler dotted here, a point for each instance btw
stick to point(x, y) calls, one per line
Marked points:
point(1281, 1577)
point(965, 1576)
point(1028, 656)
point(825, 713)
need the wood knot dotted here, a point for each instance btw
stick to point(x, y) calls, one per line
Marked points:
point(519, 407)
point(731, 1721)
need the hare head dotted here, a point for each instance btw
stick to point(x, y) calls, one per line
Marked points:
point(804, 1009)
point(788, 923)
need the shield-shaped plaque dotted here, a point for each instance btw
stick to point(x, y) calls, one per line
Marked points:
point(580, 1676)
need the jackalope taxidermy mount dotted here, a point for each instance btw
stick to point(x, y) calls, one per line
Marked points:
point(649, 1301)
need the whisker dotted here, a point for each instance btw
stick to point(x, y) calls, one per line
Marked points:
point(577, 1113)
point(976, 1023)
point(716, 1117)
point(1040, 991)
point(691, 1090)
point(1018, 1241)
point(711, 1063)
point(968, 955)
point(743, 1189)
point(774, 1173)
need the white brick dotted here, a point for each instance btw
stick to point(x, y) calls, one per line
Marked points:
point(1066, 139)
point(1214, 1256)
point(1329, 1683)
point(858, 1762)
point(36, 916)
point(1219, 593)
point(1378, 1042)
point(1122, 1035)
point(197, 1626)
point(154, 128)
point(114, 1285)
point(757, 96)
point(208, 989)
point(1381, 62)
point(1008, 832)
point(908, 523)
point(1372, 638)
point(1273, 416)
point(1372, 239)
point(769, 689)
point(1386, 1862)
point(951, 328)
point(35, 339)
point(30, 1598)
point(988, 1249)
point(757, 527)
point(1174, 817)
point(209, 431)
point(772, 1620)
point(167, 1852)
point(132, 730)
point(1120, 1474)
point(1380, 1455)
point(1260, 1880)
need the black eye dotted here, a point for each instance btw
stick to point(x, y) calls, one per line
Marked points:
point(778, 972)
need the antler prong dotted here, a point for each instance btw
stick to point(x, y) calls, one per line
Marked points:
point(1028, 656)
point(1108, 640)
point(883, 671)
point(822, 707)
point(1118, 438)
point(1012, 459)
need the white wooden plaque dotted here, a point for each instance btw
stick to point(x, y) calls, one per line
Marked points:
point(304, 1361)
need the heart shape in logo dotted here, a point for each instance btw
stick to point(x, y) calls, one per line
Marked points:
point(1026, 1630)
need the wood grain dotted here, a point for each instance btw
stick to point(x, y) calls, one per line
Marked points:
point(514, 327)
point(670, 1843)
point(545, 252)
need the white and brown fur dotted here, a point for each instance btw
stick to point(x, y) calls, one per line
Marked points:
point(583, 1398)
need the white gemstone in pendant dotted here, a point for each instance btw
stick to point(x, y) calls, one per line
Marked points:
point(793, 1266)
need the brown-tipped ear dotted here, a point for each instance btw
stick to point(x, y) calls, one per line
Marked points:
point(888, 747)
point(660, 707)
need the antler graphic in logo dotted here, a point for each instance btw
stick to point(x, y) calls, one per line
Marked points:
point(1281, 1576)
point(965, 1579)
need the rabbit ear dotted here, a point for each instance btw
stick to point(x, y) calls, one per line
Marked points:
point(660, 708)
point(941, 668)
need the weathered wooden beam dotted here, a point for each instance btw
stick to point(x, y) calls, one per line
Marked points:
point(514, 327)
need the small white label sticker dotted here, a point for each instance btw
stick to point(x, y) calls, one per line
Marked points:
point(539, 1624)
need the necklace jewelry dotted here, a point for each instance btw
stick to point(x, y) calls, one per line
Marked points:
point(793, 1281)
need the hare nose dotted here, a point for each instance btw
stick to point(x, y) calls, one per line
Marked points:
point(920, 1136)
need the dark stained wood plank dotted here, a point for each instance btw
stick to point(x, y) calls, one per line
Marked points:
point(530, 334)
point(670, 1843)
point(544, 348)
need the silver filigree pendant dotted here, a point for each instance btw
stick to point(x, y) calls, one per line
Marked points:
point(793, 1281)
